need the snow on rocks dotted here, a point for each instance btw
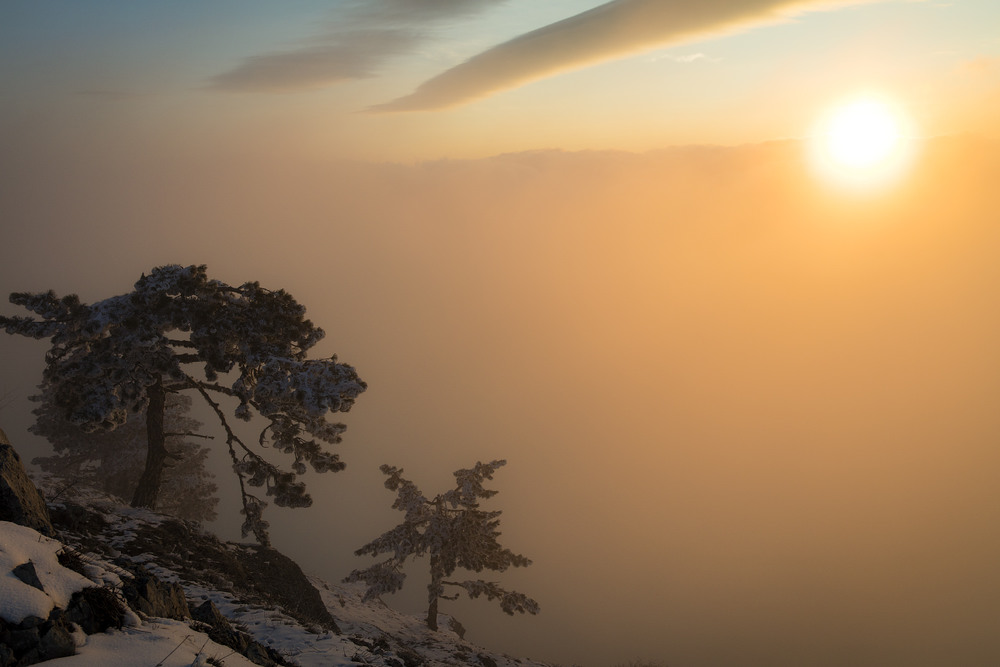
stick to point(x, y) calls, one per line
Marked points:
point(20, 545)
point(163, 642)
point(209, 570)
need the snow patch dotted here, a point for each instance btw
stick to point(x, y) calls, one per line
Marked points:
point(167, 643)
point(20, 545)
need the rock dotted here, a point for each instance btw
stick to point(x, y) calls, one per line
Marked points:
point(209, 614)
point(56, 642)
point(77, 518)
point(410, 657)
point(452, 624)
point(26, 573)
point(36, 640)
point(147, 594)
point(194, 555)
point(20, 501)
point(95, 609)
point(20, 639)
point(277, 577)
point(222, 632)
point(262, 655)
point(261, 574)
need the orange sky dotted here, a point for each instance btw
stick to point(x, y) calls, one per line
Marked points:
point(750, 415)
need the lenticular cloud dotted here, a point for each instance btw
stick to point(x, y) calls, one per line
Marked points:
point(612, 30)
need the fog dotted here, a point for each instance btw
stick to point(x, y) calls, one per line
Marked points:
point(749, 420)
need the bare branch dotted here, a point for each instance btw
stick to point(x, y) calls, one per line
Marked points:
point(188, 359)
point(213, 386)
point(251, 504)
point(188, 435)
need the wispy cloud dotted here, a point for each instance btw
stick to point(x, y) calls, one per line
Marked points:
point(612, 30)
point(347, 56)
point(359, 39)
point(686, 58)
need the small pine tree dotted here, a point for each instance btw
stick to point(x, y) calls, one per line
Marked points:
point(112, 461)
point(453, 530)
point(179, 331)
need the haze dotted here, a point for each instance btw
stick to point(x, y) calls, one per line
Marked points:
point(750, 417)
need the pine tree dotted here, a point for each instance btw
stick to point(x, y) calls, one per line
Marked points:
point(453, 530)
point(112, 461)
point(179, 331)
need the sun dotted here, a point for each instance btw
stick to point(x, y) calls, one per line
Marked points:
point(862, 135)
point(863, 143)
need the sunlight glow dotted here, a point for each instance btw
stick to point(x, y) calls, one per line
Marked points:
point(864, 143)
point(862, 134)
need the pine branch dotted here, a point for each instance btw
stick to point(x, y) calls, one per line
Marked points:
point(252, 505)
point(188, 359)
point(74, 482)
point(213, 386)
point(188, 435)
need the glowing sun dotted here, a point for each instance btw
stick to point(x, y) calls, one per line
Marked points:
point(865, 142)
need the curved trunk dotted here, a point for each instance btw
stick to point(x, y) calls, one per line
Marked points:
point(156, 452)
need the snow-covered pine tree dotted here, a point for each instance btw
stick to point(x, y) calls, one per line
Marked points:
point(454, 532)
point(178, 331)
point(112, 461)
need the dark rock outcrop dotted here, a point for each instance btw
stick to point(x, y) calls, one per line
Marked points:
point(255, 574)
point(55, 639)
point(456, 627)
point(277, 577)
point(35, 640)
point(95, 610)
point(77, 518)
point(209, 614)
point(410, 657)
point(20, 501)
point(26, 573)
point(221, 631)
point(147, 594)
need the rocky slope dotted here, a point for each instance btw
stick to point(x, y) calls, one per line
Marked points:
point(157, 585)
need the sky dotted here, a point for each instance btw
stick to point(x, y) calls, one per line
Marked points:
point(747, 397)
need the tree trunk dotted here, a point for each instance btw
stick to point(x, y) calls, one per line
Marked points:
point(432, 614)
point(434, 593)
point(156, 451)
